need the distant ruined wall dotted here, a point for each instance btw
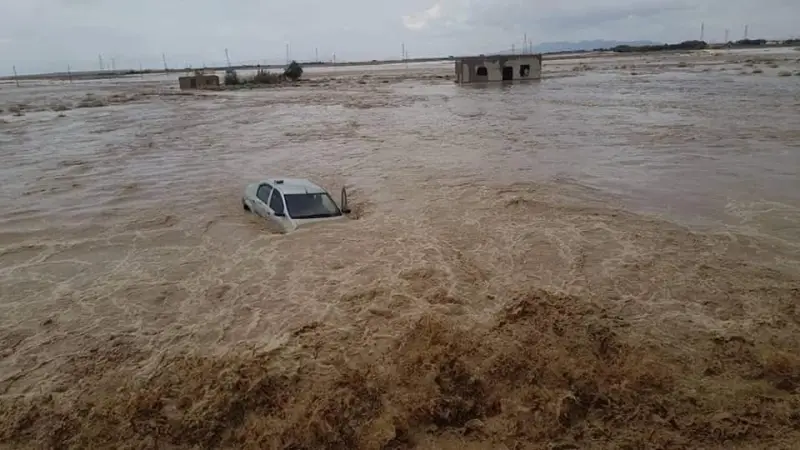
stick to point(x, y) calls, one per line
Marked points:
point(199, 82)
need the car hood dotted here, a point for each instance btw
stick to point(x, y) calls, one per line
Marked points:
point(302, 223)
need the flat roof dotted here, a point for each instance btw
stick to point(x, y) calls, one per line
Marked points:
point(505, 57)
point(294, 185)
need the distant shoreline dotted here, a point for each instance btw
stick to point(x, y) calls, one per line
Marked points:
point(88, 75)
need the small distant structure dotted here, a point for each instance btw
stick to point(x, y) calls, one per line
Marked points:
point(481, 69)
point(199, 80)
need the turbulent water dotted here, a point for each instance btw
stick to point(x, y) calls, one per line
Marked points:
point(669, 196)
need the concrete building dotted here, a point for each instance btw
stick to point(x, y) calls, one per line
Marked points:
point(480, 69)
point(199, 81)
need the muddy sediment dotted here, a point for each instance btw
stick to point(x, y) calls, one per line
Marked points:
point(598, 260)
point(549, 369)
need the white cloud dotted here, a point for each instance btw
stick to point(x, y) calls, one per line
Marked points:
point(419, 21)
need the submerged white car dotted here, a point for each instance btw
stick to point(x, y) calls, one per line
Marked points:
point(289, 203)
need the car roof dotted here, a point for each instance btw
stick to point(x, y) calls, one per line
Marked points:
point(294, 185)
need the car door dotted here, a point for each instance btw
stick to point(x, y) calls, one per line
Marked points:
point(280, 216)
point(260, 205)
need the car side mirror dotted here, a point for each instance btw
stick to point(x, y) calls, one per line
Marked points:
point(279, 214)
point(343, 203)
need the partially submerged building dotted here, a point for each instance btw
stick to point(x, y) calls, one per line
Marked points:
point(199, 80)
point(481, 69)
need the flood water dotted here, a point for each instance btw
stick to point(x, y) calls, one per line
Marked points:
point(125, 221)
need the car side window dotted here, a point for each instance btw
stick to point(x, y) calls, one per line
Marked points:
point(276, 202)
point(263, 193)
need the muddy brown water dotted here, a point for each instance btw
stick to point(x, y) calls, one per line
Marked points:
point(125, 221)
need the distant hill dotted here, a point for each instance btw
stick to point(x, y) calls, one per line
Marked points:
point(550, 47)
point(563, 46)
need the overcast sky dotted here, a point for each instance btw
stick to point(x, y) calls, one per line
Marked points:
point(47, 35)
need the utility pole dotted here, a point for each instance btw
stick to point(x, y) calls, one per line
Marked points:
point(727, 31)
point(100, 58)
point(287, 53)
point(702, 30)
point(316, 55)
point(141, 72)
point(16, 78)
point(227, 58)
point(745, 31)
point(113, 65)
point(164, 58)
point(334, 57)
point(403, 51)
point(69, 73)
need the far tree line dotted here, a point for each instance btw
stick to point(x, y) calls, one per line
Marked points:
point(694, 45)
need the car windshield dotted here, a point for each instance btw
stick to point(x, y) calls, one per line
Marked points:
point(311, 206)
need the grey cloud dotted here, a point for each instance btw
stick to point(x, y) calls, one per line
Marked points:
point(40, 35)
point(503, 22)
point(605, 14)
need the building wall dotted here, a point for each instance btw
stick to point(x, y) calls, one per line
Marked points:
point(468, 68)
point(465, 73)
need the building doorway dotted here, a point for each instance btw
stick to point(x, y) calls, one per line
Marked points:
point(482, 74)
point(508, 73)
